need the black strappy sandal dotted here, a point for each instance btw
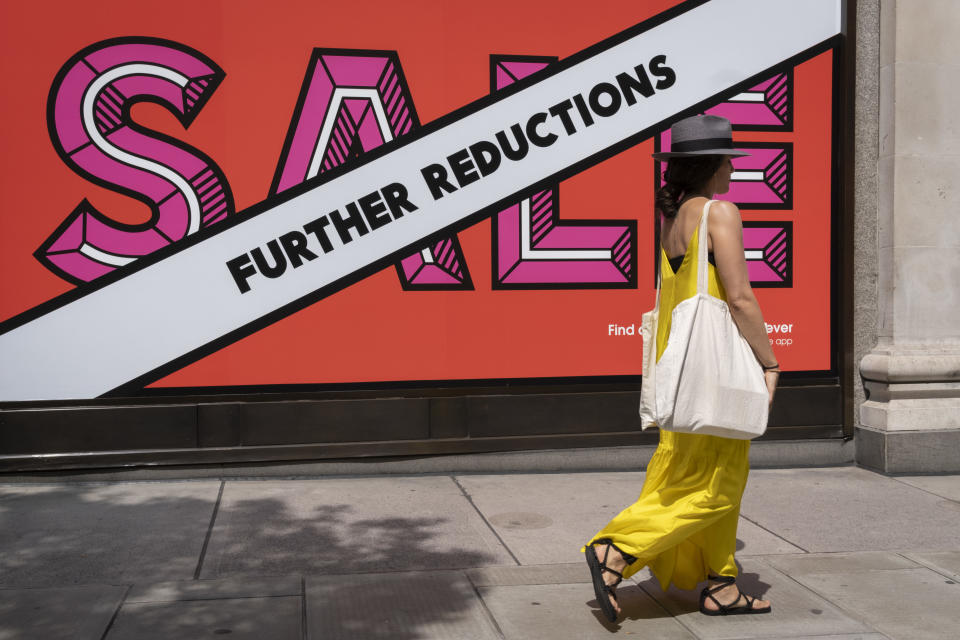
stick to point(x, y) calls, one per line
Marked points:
point(731, 609)
point(601, 589)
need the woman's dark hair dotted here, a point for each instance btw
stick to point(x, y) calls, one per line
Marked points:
point(682, 175)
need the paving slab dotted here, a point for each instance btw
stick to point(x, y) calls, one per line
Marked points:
point(849, 509)
point(571, 611)
point(796, 611)
point(947, 562)
point(564, 573)
point(58, 535)
point(907, 604)
point(225, 588)
point(348, 525)
point(567, 573)
point(439, 605)
point(546, 518)
point(842, 562)
point(846, 636)
point(68, 612)
point(753, 540)
point(239, 619)
point(944, 486)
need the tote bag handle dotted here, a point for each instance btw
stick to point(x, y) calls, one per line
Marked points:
point(702, 257)
point(703, 243)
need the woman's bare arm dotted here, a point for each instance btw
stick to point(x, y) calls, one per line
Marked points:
point(726, 235)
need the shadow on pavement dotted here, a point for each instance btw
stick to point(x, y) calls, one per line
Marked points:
point(261, 536)
point(63, 535)
point(144, 533)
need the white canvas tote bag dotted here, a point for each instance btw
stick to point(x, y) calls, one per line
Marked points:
point(708, 380)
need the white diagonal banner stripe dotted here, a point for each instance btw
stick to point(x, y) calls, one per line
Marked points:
point(159, 313)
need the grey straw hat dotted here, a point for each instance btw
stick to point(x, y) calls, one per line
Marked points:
point(700, 136)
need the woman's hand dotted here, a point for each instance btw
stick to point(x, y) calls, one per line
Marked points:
point(770, 376)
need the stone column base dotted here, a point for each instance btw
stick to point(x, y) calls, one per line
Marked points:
point(910, 422)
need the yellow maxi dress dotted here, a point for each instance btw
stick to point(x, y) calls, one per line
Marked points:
point(684, 524)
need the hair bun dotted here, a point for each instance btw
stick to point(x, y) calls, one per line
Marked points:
point(682, 175)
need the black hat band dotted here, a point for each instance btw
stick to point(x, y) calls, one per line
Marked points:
point(701, 145)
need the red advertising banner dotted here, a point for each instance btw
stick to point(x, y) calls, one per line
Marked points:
point(132, 129)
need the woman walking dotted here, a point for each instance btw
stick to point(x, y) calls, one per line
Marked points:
point(684, 524)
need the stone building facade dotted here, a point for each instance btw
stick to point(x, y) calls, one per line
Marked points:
point(907, 247)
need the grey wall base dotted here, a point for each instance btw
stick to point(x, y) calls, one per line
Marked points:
point(934, 451)
point(910, 422)
point(820, 452)
point(315, 427)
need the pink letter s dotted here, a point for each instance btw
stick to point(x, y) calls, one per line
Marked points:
point(88, 115)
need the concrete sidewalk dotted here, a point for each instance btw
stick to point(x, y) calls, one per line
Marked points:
point(841, 552)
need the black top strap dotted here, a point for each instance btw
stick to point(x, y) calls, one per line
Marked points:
point(675, 263)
